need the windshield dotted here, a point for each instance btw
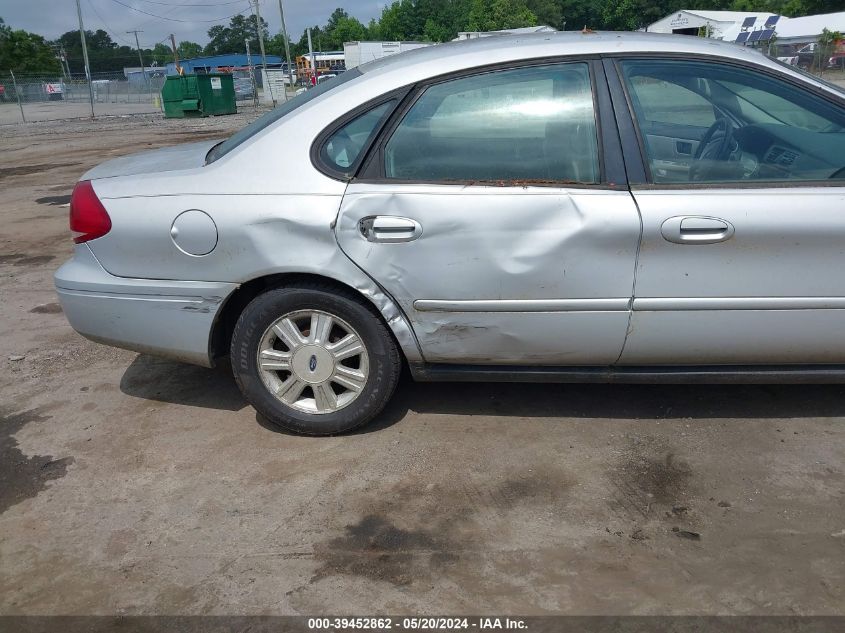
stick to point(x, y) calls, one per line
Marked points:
point(221, 149)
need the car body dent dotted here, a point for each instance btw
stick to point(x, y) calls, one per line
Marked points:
point(570, 250)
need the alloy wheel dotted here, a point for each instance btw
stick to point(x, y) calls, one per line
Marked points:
point(313, 361)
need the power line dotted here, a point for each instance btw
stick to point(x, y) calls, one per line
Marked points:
point(161, 17)
point(103, 22)
point(202, 5)
point(161, 41)
point(170, 11)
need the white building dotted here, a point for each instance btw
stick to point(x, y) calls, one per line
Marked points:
point(716, 24)
point(471, 35)
point(357, 53)
point(727, 25)
point(807, 29)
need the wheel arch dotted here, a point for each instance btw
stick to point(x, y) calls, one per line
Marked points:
point(220, 337)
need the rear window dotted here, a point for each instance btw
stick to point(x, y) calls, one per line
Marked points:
point(221, 149)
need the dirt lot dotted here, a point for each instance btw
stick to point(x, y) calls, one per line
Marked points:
point(132, 485)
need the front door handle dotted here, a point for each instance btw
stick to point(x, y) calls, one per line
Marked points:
point(696, 229)
point(389, 229)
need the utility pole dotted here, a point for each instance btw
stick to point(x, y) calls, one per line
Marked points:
point(140, 57)
point(313, 63)
point(287, 46)
point(263, 56)
point(15, 86)
point(175, 53)
point(64, 60)
point(58, 51)
point(85, 58)
point(251, 74)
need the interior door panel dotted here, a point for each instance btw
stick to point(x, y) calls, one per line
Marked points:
point(673, 156)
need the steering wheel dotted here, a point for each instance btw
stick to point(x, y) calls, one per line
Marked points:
point(713, 157)
point(717, 142)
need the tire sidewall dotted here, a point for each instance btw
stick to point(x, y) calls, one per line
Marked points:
point(267, 308)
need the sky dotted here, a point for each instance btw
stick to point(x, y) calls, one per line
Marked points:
point(186, 19)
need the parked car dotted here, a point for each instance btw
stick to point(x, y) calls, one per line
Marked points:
point(320, 79)
point(571, 207)
point(808, 56)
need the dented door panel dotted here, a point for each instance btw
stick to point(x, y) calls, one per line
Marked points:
point(550, 269)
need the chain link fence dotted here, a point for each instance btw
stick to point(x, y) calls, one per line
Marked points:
point(27, 98)
point(30, 98)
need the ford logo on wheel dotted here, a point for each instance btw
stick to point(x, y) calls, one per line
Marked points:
point(312, 364)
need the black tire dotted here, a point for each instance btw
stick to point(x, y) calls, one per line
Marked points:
point(384, 359)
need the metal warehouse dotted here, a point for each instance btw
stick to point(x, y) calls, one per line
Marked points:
point(220, 63)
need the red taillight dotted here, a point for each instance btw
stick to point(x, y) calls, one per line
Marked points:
point(88, 217)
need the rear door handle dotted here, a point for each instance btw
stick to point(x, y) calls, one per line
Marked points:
point(389, 229)
point(696, 229)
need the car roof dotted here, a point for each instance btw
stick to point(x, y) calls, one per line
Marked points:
point(504, 48)
point(441, 59)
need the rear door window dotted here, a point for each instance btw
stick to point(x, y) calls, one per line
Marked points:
point(343, 148)
point(523, 124)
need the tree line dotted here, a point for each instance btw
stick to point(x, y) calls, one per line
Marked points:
point(422, 20)
point(442, 20)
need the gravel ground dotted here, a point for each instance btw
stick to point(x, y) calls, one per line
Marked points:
point(130, 484)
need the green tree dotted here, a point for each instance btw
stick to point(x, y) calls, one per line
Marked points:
point(25, 52)
point(276, 46)
point(104, 55)
point(396, 21)
point(826, 46)
point(630, 15)
point(189, 50)
point(436, 32)
point(813, 7)
point(161, 54)
point(346, 30)
point(495, 15)
point(232, 38)
point(301, 47)
point(548, 12)
point(789, 8)
point(578, 14)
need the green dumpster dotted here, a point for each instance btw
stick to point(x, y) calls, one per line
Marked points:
point(198, 95)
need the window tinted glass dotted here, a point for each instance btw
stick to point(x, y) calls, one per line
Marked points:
point(283, 109)
point(524, 124)
point(344, 146)
point(712, 122)
point(664, 102)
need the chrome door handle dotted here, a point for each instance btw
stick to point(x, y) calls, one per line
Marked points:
point(389, 229)
point(696, 229)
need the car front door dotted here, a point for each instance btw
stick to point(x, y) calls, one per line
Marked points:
point(486, 212)
point(742, 251)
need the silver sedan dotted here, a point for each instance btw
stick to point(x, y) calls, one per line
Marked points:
point(567, 206)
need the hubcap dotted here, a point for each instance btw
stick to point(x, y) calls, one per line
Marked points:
point(313, 361)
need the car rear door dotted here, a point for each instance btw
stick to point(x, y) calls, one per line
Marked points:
point(488, 214)
point(741, 253)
